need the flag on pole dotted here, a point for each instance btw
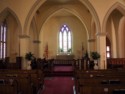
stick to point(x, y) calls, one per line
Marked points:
point(46, 51)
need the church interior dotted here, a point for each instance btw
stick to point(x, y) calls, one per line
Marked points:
point(62, 47)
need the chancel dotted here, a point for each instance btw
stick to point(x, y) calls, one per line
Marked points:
point(73, 46)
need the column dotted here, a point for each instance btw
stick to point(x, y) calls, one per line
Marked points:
point(24, 48)
point(101, 47)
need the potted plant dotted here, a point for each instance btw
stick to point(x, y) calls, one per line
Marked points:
point(29, 57)
point(95, 56)
point(69, 50)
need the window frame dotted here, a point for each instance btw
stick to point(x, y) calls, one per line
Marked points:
point(65, 40)
point(108, 44)
point(3, 40)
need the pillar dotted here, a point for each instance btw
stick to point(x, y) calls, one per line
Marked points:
point(101, 48)
point(24, 48)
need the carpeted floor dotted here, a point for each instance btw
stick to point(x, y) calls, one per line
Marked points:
point(63, 68)
point(58, 85)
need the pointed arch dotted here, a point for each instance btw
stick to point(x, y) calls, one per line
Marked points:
point(5, 13)
point(94, 14)
point(121, 38)
point(30, 15)
point(114, 31)
point(38, 3)
point(67, 10)
point(13, 26)
point(117, 6)
point(65, 39)
point(108, 48)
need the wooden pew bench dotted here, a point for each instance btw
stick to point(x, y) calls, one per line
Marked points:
point(116, 63)
point(29, 81)
point(8, 86)
point(97, 77)
point(101, 89)
point(100, 85)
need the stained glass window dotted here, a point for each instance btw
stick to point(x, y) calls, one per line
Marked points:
point(3, 31)
point(65, 40)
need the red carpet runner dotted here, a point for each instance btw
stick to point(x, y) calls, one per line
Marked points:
point(63, 68)
point(58, 85)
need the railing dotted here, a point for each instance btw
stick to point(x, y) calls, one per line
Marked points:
point(63, 62)
point(116, 63)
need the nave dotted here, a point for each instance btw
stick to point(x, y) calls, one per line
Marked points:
point(61, 81)
point(65, 78)
point(58, 85)
point(55, 80)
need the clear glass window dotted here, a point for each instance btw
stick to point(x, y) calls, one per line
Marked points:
point(3, 33)
point(108, 51)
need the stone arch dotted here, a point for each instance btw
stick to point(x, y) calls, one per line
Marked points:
point(94, 14)
point(118, 6)
point(70, 11)
point(114, 30)
point(6, 10)
point(121, 38)
point(13, 47)
point(38, 3)
point(30, 15)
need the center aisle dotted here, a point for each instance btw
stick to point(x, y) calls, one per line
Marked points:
point(61, 81)
point(58, 85)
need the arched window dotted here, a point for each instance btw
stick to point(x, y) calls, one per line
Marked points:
point(65, 40)
point(3, 33)
point(108, 48)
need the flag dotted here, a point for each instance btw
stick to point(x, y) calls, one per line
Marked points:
point(46, 51)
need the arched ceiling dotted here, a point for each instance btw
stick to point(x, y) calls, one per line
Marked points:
point(117, 10)
point(74, 4)
point(64, 8)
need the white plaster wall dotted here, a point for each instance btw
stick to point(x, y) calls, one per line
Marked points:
point(49, 34)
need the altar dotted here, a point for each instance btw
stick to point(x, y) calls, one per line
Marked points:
point(65, 57)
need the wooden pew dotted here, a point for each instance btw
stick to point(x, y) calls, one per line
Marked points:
point(32, 79)
point(102, 89)
point(116, 63)
point(96, 77)
point(8, 86)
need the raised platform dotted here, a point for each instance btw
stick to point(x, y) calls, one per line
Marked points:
point(63, 62)
point(65, 56)
point(61, 71)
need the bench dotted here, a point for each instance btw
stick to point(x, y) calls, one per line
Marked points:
point(29, 81)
